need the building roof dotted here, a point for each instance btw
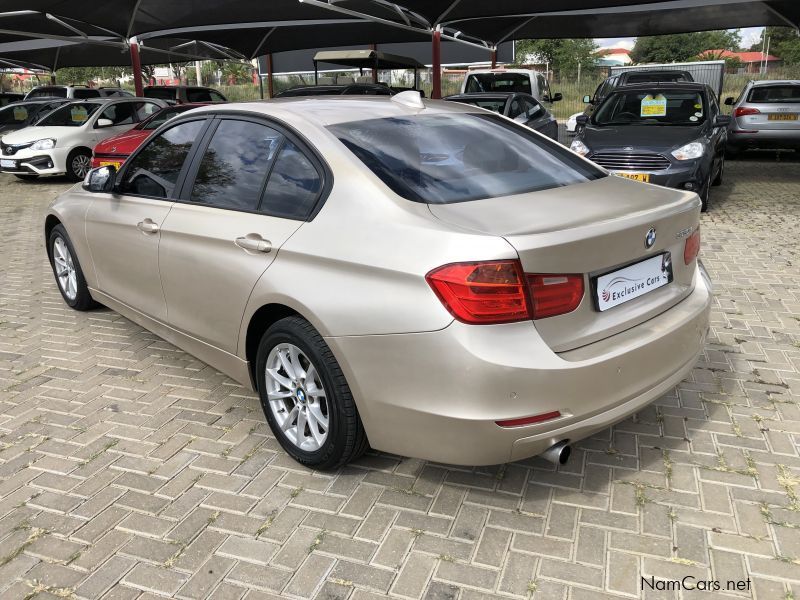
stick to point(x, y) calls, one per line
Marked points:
point(607, 51)
point(745, 57)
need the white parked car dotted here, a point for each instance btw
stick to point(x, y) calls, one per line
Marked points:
point(509, 80)
point(572, 122)
point(62, 142)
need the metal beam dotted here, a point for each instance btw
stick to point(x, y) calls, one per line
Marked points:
point(261, 44)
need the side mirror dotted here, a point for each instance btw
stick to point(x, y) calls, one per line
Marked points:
point(722, 121)
point(104, 123)
point(582, 120)
point(557, 97)
point(100, 179)
point(587, 99)
point(729, 101)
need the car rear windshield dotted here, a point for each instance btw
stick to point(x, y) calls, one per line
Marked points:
point(447, 158)
point(161, 93)
point(73, 114)
point(162, 116)
point(498, 82)
point(652, 107)
point(494, 104)
point(651, 77)
point(777, 94)
point(48, 92)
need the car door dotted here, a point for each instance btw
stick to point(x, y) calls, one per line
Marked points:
point(249, 190)
point(122, 227)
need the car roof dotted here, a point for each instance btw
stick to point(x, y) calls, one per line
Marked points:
point(40, 100)
point(329, 110)
point(763, 82)
point(483, 95)
point(665, 85)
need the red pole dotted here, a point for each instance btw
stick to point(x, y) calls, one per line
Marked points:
point(436, 75)
point(269, 76)
point(494, 59)
point(137, 69)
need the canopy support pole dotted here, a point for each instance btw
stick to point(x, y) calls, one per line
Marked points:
point(270, 86)
point(436, 67)
point(374, 48)
point(494, 59)
point(136, 64)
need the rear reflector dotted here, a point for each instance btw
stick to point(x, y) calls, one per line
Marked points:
point(555, 294)
point(482, 292)
point(745, 110)
point(529, 420)
point(692, 247)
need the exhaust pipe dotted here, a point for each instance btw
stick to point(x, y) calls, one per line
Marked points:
point(558, 454)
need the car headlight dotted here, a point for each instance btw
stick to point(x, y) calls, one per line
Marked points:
point(689, 151)
point(45, 144)
point(578, 147)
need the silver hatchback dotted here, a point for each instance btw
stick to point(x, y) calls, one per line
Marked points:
point(765, 115)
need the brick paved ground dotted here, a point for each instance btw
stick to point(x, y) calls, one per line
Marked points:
point(129, 469)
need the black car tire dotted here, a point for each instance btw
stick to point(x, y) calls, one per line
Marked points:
point(718, 179)
point(81, 154)
point(346, 439)
point(705, 194)
point(25, 177)
point(83, 299)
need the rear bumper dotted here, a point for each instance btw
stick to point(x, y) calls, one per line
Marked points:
point(763, 138)
point(438, 395)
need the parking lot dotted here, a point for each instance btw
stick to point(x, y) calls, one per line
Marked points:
point(130, 469)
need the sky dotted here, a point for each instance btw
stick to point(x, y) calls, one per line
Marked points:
point(750, 35)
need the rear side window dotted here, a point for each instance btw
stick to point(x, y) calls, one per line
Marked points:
point(294, 185)
point(48, 92)
point(447, 158)
point(155, 170)
point(235, 165)
point(203, 95)
point(777, 94)
point(81, 94)
point(160, 93)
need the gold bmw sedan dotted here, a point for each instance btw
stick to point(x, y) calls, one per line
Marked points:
point(427, 278)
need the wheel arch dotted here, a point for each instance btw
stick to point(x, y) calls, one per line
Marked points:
point(49, 224)
point(263, 319)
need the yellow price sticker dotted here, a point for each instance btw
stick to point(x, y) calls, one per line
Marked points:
point(78, 114)
point(20, 113)
point(654, 106)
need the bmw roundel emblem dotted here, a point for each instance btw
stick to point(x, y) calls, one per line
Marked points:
point(650, 238)
point(301, 395)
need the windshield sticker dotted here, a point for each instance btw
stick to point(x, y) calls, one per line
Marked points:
point(698, 114)
point(654, 107)
point(693, 119)
point(20, 113)
point(78, 114)
point(698, 106)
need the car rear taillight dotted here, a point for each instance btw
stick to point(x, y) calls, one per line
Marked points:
point(743, 111)
point(482, 293)
point(529, 420)
point(553, 295)
point(692, 247)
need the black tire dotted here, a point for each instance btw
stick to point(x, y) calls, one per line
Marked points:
point(346, 439)
point(83, 299)
point(25, 177)
point(733, 152)
point(75, 162)
point(718, 179)
point(705, 194)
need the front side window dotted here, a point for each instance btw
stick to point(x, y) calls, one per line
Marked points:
point(294, 185)
point(119, 114)
point(74, 114)
point(652, 107)
point(17, 113)
point(446, 158)
point(777, 94)
point(144, 110)
point(154, 171)
point(499, 82)
point(235, 165)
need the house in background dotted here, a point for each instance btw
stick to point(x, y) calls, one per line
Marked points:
point(748, 62)
point(613, 57)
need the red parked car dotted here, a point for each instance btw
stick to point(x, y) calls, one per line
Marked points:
point(115, 150)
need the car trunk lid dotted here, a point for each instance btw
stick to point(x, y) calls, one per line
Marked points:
point(590, 229)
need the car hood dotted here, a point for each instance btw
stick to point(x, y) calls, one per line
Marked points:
point(125, 142)
point(31, 134)
point(5, 129)
point(654, 138)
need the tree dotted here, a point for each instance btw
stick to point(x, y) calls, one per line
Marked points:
point(563, 56)
point(783, 43)
point(236, 72)
point(682, 46)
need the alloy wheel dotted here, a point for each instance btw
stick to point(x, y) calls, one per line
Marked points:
point(297, 397)
point(80, 165)
point(65, 269)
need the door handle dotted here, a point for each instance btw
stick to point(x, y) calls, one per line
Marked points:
point(147, 226)
point(254, 243)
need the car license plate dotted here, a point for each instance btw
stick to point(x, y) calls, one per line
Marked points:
point(8, 164)
point(111, 163)
point(630, 282)
point(782, 117)
point(645, 177)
